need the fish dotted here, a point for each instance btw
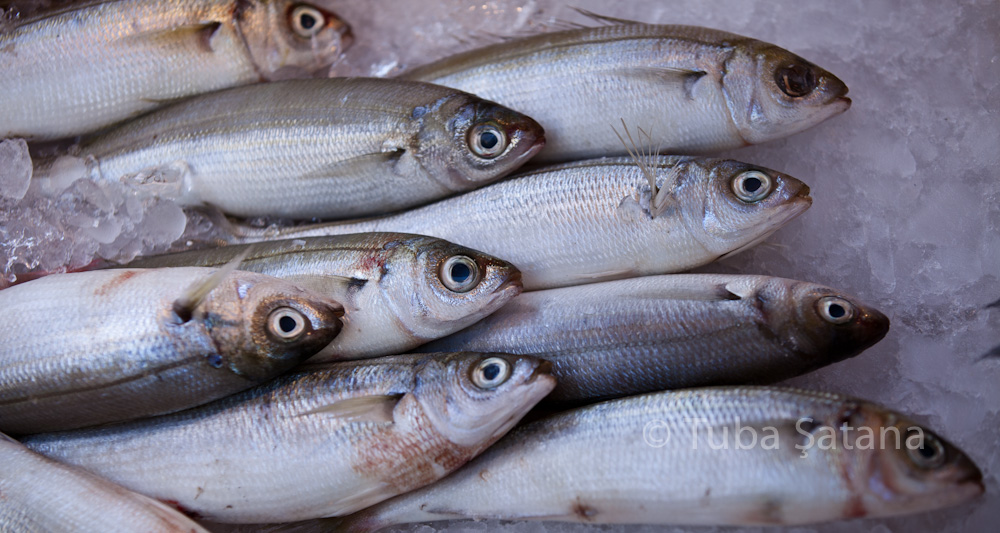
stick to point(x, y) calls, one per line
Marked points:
point(596, 220)
point(84, 67)
point(320, 442)
point(699, 90)
point(626, 337)
point(88, 348)
point(398, 290)
point(327, 148)
point(740, 456)
point(40, 494)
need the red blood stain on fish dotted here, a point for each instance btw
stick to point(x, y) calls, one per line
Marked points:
point(115, 282)
point(176, 505)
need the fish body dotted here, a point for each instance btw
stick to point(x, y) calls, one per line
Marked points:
point(599, 220)
point(745, 456)
point(317, 443)
point(398, 290)
point(696, 90)
point(40, 494)
point(90, 348)
point(328, 148)
point(85, 67)
point(631, 336)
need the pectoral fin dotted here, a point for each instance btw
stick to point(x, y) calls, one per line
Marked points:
point(185, 305)
point(356, 165)
point(376, 408)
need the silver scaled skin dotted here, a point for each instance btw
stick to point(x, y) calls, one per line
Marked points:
point(85, 67)
point(327, 441)
point(398, 290)
point(599, 220)
point(625, 337)
point(695, 90)
point(141, 342)
point(329, 148)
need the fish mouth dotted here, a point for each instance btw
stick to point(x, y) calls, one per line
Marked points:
point(544, 368)
point(513, 282)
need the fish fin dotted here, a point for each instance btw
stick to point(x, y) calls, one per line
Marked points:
point(199, 34)
point(348, 167)
point(331, 285)
point(603, 19)
point(642, 154)
point(360, 499)
point(375, 408)
point(185, 305)
point(687, 79)
point(709, 292)
point(610, 274)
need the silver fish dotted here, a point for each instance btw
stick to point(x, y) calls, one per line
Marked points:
point(601, 219)
point(40, 494)
point(321, 443)
point(329, 148)
point(398, 290)
point(631, 336)
point(698, 90)
point(89, 348)
point(726, 456)
point(85, 67)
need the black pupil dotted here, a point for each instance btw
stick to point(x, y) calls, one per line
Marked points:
point(491, 371)
point(307, 21)
point(488, 139)
point(460, 272)
point(836, 310)
point(752, 185)
point(287, 324)
point(796, 80)
point(927, 451)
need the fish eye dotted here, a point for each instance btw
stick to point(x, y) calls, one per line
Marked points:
point(487, 140)
point(307, 21)
point(752, 186)
point(835, 310)
point(459, 273)
point(491, 373)
point(286, 323)
point(929, 454)
point(795, 80)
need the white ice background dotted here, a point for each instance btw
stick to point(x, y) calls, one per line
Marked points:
point(906, 210)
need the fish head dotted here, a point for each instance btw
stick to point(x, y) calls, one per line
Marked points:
point(269, 325)
point(448, 287)
point(830, 326)
point(466, 142)
point(730, 206)
point(473, 399)
point(905, 467)
point(773, 93)
point(290, 38)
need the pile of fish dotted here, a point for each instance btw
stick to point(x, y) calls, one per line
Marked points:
point(360, 371)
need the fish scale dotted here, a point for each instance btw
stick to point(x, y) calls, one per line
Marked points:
point(697, 90)
point(85, 67)
point(380, 278)
point(329, 148)
point(631, 336)
point(589, 221)
point(663, 458)
point(284, 451)
point(120, 349)
point(42, 495)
